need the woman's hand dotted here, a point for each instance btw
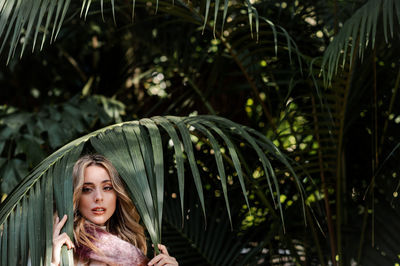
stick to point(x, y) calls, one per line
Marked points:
point(164, 258)
point(59, 240)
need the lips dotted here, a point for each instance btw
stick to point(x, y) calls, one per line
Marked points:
point(99, 210)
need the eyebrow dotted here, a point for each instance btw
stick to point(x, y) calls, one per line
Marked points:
point(104, 181)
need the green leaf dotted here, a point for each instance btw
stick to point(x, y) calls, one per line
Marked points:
point(12, 238)
point(24, 231)
point(38, 24)
point(188, 147)
point(50, 10)
point(220, 164)
point(48, 215)
point(4, 245)
point(192, 244)
point(177, 144)
point(135, 149)
point(11, 174)
point(234, 157)
point(33, 240)
point(26, 21)
point(359, 30)
point(121, 146)
point(157, 166)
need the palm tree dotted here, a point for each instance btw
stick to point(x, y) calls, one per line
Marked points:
point(340, 131)
point(361, 98)
point(136, 150)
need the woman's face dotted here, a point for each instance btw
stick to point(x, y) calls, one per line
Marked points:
point(98, 199)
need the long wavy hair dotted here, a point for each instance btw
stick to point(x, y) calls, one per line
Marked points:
point(124, 223)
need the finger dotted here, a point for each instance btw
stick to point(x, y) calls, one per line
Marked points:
point(156, 259)
point(55, 222)
point(63, 220)
point(64, 239)
point(55, 231)
point(68, 242)
point(162, 259)
point(163, 249)
point(60, 225)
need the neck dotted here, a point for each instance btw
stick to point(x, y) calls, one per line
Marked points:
point(104, 227)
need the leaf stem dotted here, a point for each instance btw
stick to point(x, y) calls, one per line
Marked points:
point(324, 187)
point(392, 101)
point(315, 236)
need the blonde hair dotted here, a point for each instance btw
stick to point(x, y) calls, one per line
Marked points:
point(124, 223)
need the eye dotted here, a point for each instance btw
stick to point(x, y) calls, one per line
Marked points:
point(86, 189)
point(108, 188)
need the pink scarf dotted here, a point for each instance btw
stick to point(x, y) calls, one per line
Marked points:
point(113, 250)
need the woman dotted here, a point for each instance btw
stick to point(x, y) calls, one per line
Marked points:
point(106, 223)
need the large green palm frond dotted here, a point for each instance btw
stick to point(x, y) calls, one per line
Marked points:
point(217, 243)
point(360, 31)
point(136, 150)
point(23, 21)
point(197, 244)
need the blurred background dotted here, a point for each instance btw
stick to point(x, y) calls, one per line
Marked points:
point(318, 78)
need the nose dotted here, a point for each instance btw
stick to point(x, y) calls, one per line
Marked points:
point(98, 197)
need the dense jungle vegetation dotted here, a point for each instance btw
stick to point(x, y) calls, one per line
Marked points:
point(318, 79)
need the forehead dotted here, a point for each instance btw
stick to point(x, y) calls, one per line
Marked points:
point(95, 174)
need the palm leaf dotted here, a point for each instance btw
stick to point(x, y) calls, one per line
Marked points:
point(23, 20)
point(195, 245)
point(359, 30)
point(135, 148)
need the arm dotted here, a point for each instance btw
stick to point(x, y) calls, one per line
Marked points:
point(59, 240)
point(164, 258)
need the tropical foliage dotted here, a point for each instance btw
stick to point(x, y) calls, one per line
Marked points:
point(28, 137)
point(318, 78)
point(136, 150)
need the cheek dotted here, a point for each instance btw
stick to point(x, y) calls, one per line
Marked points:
point(83, 204)
point(113, 202)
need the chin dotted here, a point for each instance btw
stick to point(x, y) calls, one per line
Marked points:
point(98, 221)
